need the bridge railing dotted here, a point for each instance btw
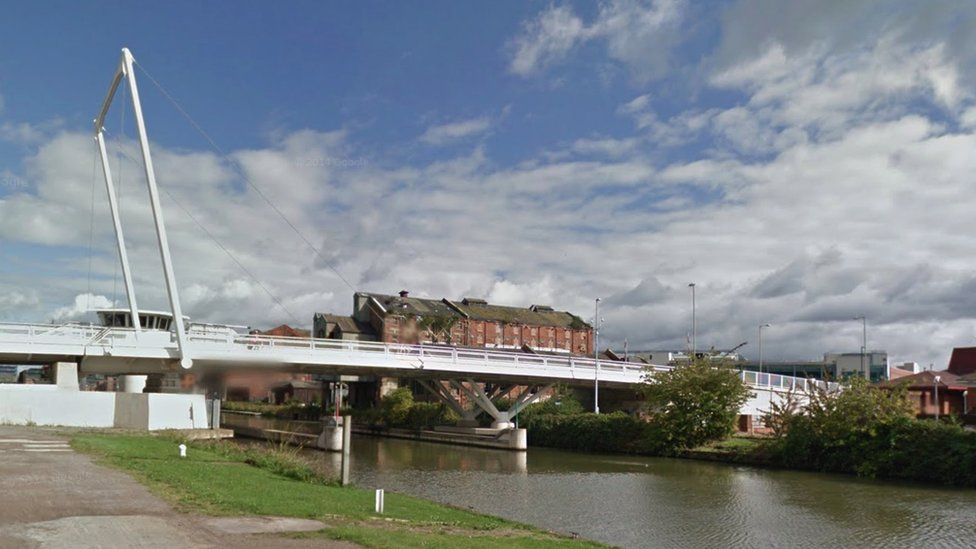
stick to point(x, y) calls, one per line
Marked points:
point(232, 342)
point(455, 355)
point(781, 382)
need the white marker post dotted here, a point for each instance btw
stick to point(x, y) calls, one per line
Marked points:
point(379, 501)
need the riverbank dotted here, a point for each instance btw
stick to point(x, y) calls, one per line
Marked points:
point(220, 478)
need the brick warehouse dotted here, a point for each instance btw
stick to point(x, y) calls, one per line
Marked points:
point(467, 323)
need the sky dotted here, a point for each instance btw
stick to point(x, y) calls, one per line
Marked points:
point(803, 163)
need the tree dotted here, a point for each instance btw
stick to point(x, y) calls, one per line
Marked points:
point(694, 404)
point(848, 428)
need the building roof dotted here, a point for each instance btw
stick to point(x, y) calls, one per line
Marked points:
point(477, 309)
point(963, 361)
point(926, 379)
point(284, 331)
point(412, 306)
point(536, 315)
point(348, 324)
point(300, 385)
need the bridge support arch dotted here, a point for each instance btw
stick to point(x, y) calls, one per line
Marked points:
point(483, 402)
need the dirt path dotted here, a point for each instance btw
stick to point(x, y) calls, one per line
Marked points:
point(53, 497)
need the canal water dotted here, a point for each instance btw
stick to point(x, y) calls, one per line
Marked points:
point(656, 502)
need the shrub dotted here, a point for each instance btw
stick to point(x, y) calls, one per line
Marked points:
point(694, 404)
point(424, 415)
point(616, 432)
point(398, 409)
point(872, 432)
point(562, 402)
point(396, 406)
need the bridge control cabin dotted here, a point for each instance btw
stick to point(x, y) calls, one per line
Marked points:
point(161, 320)
point(148, 320)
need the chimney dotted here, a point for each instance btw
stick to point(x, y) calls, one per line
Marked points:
point(404, 293)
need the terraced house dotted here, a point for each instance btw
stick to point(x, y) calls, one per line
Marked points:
point(468, 322)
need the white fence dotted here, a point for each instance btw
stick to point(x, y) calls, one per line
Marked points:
point(229, 347)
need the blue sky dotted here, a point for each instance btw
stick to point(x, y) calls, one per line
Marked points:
point(803, 163)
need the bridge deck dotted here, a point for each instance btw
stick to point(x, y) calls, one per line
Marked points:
point(124, 351)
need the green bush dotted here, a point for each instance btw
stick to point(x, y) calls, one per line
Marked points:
point(396, 406)
point(872, 432)
point(694, 404)
point(688, 406)
point(398, 409)
point(563, 402)
point(616, 432)
point(424, 415)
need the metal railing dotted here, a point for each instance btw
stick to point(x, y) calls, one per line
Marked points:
point(235, 344)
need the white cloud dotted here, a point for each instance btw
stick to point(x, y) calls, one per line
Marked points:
point(637, 33)
point(23, 133)
point(80, 309)
point(546, 39)
point(455, 131)
point(13, 300)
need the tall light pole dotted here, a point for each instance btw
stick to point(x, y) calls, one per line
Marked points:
point(938, 379)
point(694, 323)
point(864, 345)
point(761, 326)
point(596, 357)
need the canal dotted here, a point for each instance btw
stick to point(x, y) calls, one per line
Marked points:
point(655, 502)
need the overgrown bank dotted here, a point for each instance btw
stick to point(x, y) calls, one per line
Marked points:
point(860, 430)
point(686, 407)
point(225, 479)
point(870, 432)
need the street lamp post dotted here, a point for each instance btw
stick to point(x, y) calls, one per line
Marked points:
point(761, 326)
point(694, 323)
point(938, 379)
point(596, 357)
point(864, 345)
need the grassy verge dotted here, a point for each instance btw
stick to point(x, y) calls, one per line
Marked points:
point(223, 479)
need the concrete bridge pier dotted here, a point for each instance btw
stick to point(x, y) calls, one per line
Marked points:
point(330, 438)
point(65, 375)
point(131, 384)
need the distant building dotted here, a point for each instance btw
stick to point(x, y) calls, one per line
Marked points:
point(896, 371)
point(329, 326)
point(283, 331)
point(470, 322)
point(301, 391)
point(833, 366)
point(847, 364)
point(963, 361)
point(939, 392)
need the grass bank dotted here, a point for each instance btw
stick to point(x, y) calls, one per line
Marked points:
point(224, 479)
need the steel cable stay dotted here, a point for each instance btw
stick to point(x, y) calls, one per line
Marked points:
point(224, 156)
point(120, 186)
point(226, 251)
point(91, 223)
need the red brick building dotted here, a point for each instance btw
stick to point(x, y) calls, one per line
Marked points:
point(468, 322)
point(956, 394)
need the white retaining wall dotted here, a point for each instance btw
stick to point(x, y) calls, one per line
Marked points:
point(51, 405)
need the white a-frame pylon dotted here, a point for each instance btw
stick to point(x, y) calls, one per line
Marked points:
point(125, 70)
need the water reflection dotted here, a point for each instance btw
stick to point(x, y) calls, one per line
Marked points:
point(653, 502)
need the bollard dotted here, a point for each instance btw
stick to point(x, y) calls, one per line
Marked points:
point(346, 443)
point(182, 450)
point(379, 501)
